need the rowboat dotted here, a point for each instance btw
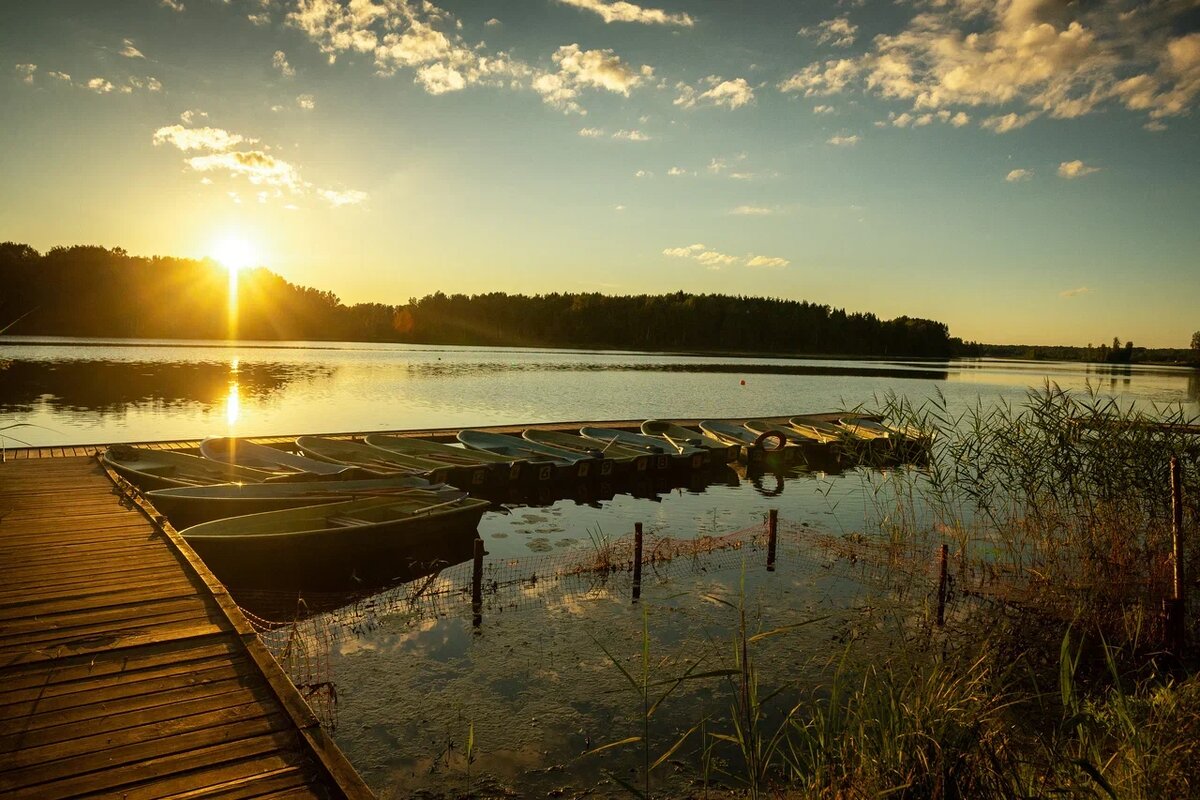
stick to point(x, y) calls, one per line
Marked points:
point(162, 469)
point(611, 459)
point(354, 454)
point(681, 454)
point(816, 449)
point(192, 505)
point(257, 456)
point(501, 468)
point(322, 540)
point(757, 445)
point(816, 427)
point(673, 434)
point(565, 463)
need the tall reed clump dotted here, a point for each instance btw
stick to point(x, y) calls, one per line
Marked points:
point(1069, 491)
point(1060, 689)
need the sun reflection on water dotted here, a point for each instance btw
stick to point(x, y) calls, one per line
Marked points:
point(233, 402)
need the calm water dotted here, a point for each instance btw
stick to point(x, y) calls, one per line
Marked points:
point(534, 681)
point(91, 391)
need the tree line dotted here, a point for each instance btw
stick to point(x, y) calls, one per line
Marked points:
point(96, 292)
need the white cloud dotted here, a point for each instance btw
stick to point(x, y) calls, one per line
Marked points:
point(631, 136)
point(714, 259)
point(60, 76)
point(622, 11)
point(337, 28)
point(439, 79)
point(174, 5)
point(1075, 169)
point(820, 80)
point(26, 72)
point(823, 109)
point(771, 262)
point(198, 138)
point(100, 86)
point(676, 172)
point(907, 119)
point(280, 62)
point(642, 173)
point(148, 83)
point(1017, 175)
point(259, 20)
point(730, 94)
point(261, 169)
point(591, 133)
point(1023, 58)
point(129, 51)
point(493, 22)
point(838, 32)
point(1009, 122)
point(752, 211)
point(1069, 293)
point(338, 199)
point(306, 102)
point(618, 207)
point(601, 69)
point(844, 141)
point(191, 115)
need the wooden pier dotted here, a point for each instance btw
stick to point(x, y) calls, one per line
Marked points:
point(125, 668)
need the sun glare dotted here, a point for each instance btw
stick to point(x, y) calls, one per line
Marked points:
point(235, 253)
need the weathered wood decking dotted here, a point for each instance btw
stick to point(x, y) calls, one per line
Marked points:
point(125, 670)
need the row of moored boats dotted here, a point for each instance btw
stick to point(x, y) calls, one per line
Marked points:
point(383, 483)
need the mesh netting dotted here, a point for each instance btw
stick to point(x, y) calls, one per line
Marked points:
point(911, 569)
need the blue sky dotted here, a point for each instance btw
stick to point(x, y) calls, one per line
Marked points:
point(1026, 171)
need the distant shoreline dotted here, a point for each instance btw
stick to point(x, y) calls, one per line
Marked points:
point(340, 344)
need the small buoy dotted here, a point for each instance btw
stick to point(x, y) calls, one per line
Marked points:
point(743, 381)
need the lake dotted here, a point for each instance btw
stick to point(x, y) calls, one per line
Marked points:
point(535, 686)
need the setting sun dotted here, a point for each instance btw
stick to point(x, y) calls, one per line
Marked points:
point(235, 253)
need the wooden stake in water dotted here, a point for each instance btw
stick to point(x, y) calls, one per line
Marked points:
point(772, 537)
point(477, 585)
point(637, 561)
point(943, 579)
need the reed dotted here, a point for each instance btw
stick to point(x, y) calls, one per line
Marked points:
point(1062, 690)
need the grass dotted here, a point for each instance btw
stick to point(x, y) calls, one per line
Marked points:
point(1065, 690)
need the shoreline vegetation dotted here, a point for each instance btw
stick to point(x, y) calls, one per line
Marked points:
point(1055, 674)
point(94, 292)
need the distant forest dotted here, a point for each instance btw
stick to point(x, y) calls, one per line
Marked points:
point(92, 291)
point(96, 292)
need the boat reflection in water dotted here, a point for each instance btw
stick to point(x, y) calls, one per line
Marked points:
point(276, 592)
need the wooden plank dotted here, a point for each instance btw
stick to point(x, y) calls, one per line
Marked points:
point(99, 643)
point(61, 609)
point(122, 700)
point(259, 777)
point(85, 688)
point(176, 655)
point(102, 764)
point(49, 745)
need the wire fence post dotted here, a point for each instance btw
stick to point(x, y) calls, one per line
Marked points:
point(772, 537)
point(637, 561)
point(943, 578)
point(477, 585)
point(1173, 608)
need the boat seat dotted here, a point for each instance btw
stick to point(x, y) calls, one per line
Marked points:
point(346, 522)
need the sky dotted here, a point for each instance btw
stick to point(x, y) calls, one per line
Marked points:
point(1027, 171)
